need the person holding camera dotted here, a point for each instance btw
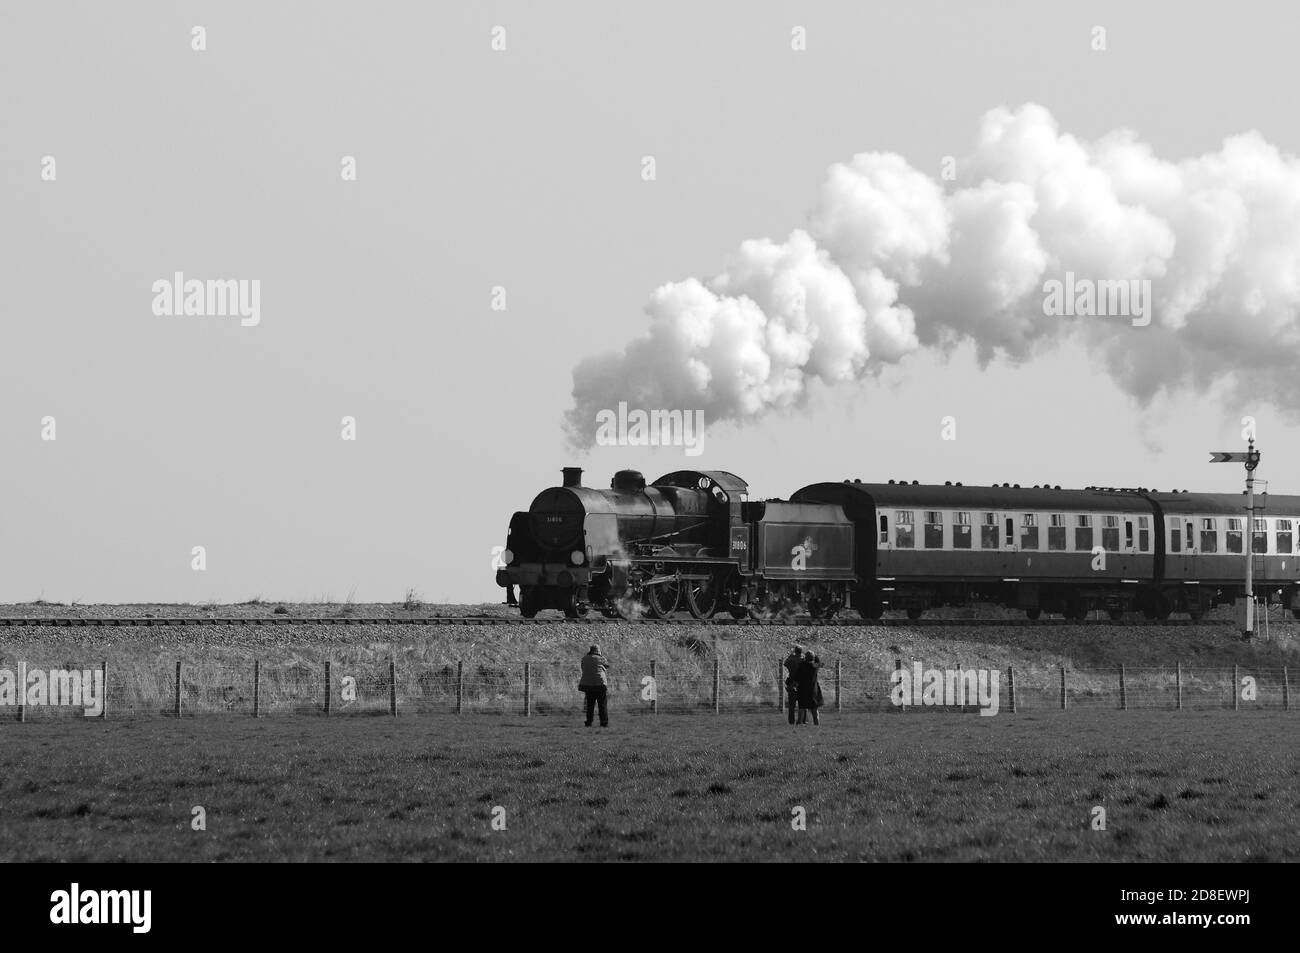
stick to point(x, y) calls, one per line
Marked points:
point(595, 685)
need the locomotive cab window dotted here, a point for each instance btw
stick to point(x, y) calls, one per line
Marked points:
point(989, 531)
point(1209, 536)
point(1029, 531)
point(904, 522)
point(933, 529)
point(1110, 534)
point(1056, 531)
point(1284, 536)
point(1083, 534)
point(1259, 537)
point(1234, 535)
point(961, 530)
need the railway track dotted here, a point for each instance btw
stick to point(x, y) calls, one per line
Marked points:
point(113, 622)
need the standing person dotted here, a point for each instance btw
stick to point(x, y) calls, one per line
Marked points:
point(791, 684)
point(806, 677)
point(594, 685)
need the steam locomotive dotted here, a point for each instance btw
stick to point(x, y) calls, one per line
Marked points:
point(693, 541)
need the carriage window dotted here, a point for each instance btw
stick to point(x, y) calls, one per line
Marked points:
point(1083, 534)
point(1110, 534)
point(903, 523)
point(989, 531)
point(1056, 531)
point(1011, 531)
point(1284, 536)
point(1259, 537)
point(1234, 535)
point(1209, 537)
point(1029, 531)
point(933, 529)
point(1144, 534)
point(884, 528)
point(1175, 539)
point(961, 530)
point(1128, 534)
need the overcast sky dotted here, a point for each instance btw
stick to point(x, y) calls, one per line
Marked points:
point(521, 169)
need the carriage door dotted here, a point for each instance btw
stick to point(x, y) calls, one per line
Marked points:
point(1128, 536)
point(1009, 536)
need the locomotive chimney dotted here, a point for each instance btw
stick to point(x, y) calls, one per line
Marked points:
point(572, 476)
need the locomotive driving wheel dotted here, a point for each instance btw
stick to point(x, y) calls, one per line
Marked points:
point(702, 597)
point(529, 601)
point(663, 598)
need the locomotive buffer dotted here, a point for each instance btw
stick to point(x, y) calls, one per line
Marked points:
point(1250, 457)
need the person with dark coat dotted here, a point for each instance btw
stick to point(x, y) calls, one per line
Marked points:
point(595, 686)
point(791, 686)
point(809, 690)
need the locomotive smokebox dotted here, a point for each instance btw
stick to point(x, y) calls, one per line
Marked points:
point(572, 476)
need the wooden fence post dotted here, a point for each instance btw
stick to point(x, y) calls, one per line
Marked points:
point(717, 685)
point(1178, 682)
point(460, 685)
point(528, 689)
point(329, 689)
point(103, 690)
point(177, 711)
point(257, 688)
point(1011, 686)
point(1235, 694)
point(654, 698)
point(392, 687)
point(1286, 691)
point(1064, 695)
point(837, 685)
point(1123, 695)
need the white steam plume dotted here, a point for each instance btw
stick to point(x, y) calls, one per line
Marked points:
point(892, 261)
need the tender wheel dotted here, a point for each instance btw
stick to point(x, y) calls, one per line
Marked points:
point(662, 599)
point(1033, 613)
point(702, 598)
point(529, 601)
point(871, 608)
point(575, 610)
point(915, 613)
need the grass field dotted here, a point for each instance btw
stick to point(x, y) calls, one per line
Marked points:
point(1207, 786)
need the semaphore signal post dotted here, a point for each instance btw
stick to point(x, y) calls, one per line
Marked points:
point(1250, 457)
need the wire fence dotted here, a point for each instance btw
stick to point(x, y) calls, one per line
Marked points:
point(751, 683)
